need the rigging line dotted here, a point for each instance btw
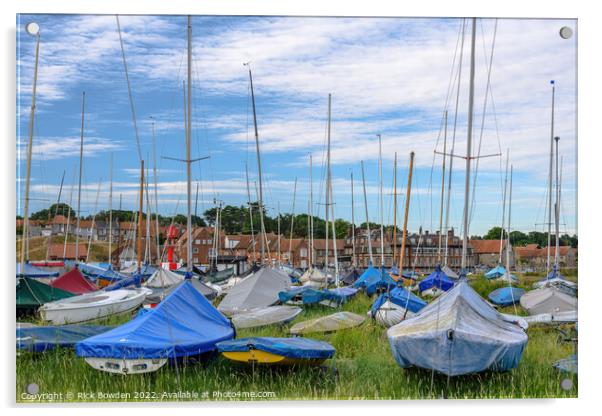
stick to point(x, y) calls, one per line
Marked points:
point(484, 111)
point(451, 83)
point(93, 221)
point(127, 78)
point(453, 146)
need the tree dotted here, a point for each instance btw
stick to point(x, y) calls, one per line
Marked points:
point(494, 234)
point(48, 213)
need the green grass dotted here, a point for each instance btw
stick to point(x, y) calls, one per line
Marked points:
point(363, 368)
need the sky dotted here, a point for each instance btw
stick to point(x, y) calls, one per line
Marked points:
point(390, 76)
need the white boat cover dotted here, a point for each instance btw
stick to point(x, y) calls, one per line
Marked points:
point(267, 316)
point(559, 317)
point(458, 333)
point(449, 272)
point(255, 292)
point(163, 278)
point(314, 275)
point(547, 300)
point(329, 323)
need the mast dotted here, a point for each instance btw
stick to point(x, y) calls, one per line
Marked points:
point(311, 212)
point(290, 240)
point(327, 181)
point(504, 207)
point(188, 158)
point(380, 178)
point(442, 189)
point(509, 215)
point(140, 213)
point(279, 251)
point(367, 220)
point(334, 241)
point(32, 29)
point(353, 263)
point(394, 209)
point(79, 188)
point(405, 215)
point(69, 215)
point(156, 197)
point(469, 145)
point(92, 224)
point(557, 207)
point(56, 210)
point(258, 165)
point(250, 212)
point(550, 180)
point(110, 206)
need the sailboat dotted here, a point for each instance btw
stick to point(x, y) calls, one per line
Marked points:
point(459, 332)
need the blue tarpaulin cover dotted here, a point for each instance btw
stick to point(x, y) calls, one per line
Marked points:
point(133, 280)
point(458, 333)
point(436, 279)
point(401, 297)
point(96, 272)
point(34, 272)
point(497, 271)
point(184, 324)
point(297, 347)
point(506, 296)
point(311, 295)
point(351, 277)
point(46, 338)
point(373, 278)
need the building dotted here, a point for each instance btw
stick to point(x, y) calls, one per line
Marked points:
point(320, 251)
point(534, 257)
point(487, 252)
point(203, 248)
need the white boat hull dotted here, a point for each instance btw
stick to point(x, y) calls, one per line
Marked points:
point(126, 366)
point(92, 306)
point(390, 314)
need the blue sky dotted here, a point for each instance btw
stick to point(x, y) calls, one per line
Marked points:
point(387, 76)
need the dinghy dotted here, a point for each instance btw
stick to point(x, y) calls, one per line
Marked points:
point(567, 365)
point(90, 306)
point(46, 338)
point(555, 279)
point(329, 323)
point(163, 278)
point(33, 272)
point(351, 277)
point(450, 273)
point(435, 283)
point(506, 296)
point(314, 277)
point(267, 316)
point(391, 308)
point(158, 294)
point(31, 294)
point(548, 300)
point(374, 279)
point(277, 351)
point(73, 281)
point(257, 291)
point(218, 276)
point(185, 324)
point(553, 318)
point(458, 333)
point(308, 295)
point(497, 271)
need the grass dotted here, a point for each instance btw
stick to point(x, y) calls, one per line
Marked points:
point(363, 368)
point(99, 250)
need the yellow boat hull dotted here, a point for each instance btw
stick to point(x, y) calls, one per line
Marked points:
point(262, 357)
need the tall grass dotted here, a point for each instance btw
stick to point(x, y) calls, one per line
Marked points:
point(363, 368)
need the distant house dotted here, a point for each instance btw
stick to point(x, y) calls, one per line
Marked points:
point(59, 225)
point(321, 251)
point(487, 252)
point(533, 256)
point(203, 249)
point(67, 252)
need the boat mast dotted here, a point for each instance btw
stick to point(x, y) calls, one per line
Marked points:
point(504, 207)
point(258, 166)
point(353, 263)
point(334, 239)
point(140, 213)
point(550, 179)
point(156, 196)
point(311, 212)
point(79, 188)
point(290, 240)
point(509, 217)
point(326, 206)
point(110, 205)
point(32, 29)
point(56, 211)
point(469, 144)
point(188, 157)
point(380, 178)
point(367, 219)
point(69, 215)
point(557, 208)
point(394, 209)
point(442, 189)
point(279, 251)
point(250, 212)
point(405, 215)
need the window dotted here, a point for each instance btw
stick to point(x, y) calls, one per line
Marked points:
point(197, 241)
point(195, 250)
point(303, 253)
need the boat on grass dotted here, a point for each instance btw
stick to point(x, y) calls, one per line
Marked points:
point(91, 306)
point(392, 307)
point(184, 325)
point(548, 300)
point(329, 323)
point(506, 296)
point(46, 338)
point(277, 351)
point(31, 294)
point(271, 315)
point(74, 281)
point(373, 280)
point(435, 283)
point(459, 333)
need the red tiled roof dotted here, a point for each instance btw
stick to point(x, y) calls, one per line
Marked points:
point(56, 251)
point(486, 246)
point(320, 244)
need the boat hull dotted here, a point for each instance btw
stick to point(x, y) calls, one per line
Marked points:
point(126, 366)
point(59, 313)
point(263, 357)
